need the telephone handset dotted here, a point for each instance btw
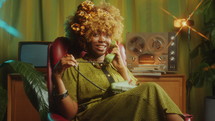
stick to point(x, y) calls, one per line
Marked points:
point(109, 57)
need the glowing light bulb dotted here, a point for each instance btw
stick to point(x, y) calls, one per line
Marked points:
point(179, 23)
point(184, 23)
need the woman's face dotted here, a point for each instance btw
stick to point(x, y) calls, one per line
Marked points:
point(99, 44)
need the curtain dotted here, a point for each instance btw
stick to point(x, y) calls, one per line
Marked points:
point(43, 20)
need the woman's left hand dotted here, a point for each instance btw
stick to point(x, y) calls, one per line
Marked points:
point(117, 62)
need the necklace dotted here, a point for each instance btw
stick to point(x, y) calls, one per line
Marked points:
point(96, 64)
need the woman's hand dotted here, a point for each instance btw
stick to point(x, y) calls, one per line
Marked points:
point(118, 62)
point(66, 106)
point(65, 62)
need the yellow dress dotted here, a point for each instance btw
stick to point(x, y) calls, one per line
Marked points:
point(147, 102)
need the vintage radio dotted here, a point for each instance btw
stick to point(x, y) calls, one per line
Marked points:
point(152, 50)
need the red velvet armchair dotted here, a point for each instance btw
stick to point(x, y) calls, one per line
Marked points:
point(56, 51)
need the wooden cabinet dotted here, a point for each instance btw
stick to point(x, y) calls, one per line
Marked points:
point(19, 106)
point(173, 84)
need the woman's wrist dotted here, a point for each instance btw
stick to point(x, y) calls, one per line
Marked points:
point(56, 77)
point(60, 96)
point(124, 73)
point(59, 86)
point(122, 69)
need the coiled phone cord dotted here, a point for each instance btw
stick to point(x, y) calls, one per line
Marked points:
point(89, 80)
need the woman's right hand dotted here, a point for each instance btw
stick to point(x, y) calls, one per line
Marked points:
point(65, 62)
point(66, 106)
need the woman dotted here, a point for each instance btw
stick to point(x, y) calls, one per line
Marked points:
point(88, 79)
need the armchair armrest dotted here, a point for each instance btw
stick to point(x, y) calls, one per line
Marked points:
point(188, 117)
point(55, 117)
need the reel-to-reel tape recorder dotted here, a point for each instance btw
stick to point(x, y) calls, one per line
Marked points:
point(144, 49)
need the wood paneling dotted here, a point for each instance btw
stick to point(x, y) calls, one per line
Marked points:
point(173, 84)
point(19, 106)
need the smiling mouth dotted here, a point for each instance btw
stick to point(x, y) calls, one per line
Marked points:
point(101, 47)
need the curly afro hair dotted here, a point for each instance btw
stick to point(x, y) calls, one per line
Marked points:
point(107, 19)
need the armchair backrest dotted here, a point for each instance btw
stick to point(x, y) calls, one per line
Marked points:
point(56, 50)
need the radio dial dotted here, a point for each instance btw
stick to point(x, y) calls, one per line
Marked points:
point(172, 37)
point(172, 53)
point(172, 58)
point(173, 43)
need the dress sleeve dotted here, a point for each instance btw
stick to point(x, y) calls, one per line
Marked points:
point(70, 81)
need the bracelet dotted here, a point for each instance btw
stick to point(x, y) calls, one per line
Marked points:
point(61, 96)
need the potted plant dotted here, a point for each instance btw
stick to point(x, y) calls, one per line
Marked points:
point(205, 70)
point(34, 86)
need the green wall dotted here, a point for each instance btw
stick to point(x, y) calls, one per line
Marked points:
point(42, 20)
